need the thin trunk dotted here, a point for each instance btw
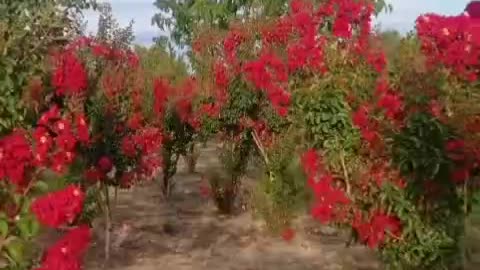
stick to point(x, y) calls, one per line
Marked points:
point(108, 223)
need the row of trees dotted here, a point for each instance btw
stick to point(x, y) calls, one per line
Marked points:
point(384, 145)
point(387, 127)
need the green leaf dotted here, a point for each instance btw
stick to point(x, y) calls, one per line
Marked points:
point(40, 186)
point(3, 228)
point(15, 251)
point(28, 227)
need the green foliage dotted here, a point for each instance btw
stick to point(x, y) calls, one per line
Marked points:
point(419, 151)
point(327, 120)
point(422, 245)
point(282, 192)
point(224, 184)
point(428, 241)
point(181, 135)
point(182, 18)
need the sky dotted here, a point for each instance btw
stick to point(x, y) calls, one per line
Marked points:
point(402, 18)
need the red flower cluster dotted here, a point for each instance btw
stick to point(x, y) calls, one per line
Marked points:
point(161, 92)
point(104, 51)
point(69, 77)
point(67, 253)
point(15, 157)
point(464, 158)
point(453, 42)
point(328, 198)
point(230, 44)
point(389, 101)
point(59, 208)
point(55, 139)
point(298, 33)
point(268, 73)
point(186, 94)
point(375, 231)
point(366, 125)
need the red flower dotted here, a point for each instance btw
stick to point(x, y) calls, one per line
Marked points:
point(69, 77)
point(126, 180)
point(16, 157)
point(42, 139)
point(311, 162)
point(66, 141)
point(221, 75)
point(128, 147)
point(60, 207)
point(377, 60)
point(288, 234)
point(342, 27)
point(62, 126)
point(52, 114)
point(161, 91)
point(105, 164)
point(360, 117)
point(460, 175)
point(67, 253)
point(392, 104)
point(60, 160)
point(375, 231)
point(94, 175)
point(135, 122)
point(100, 50)
point(327, 199)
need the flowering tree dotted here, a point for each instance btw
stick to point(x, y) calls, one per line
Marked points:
point(93, 133)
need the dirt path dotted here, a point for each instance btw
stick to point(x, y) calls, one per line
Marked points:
point(187, 233)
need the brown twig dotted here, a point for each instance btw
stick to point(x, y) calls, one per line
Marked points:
point(345, 173)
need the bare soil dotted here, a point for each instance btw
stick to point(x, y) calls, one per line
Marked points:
point(187, 233)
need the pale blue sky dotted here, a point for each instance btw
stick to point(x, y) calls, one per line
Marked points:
point(402, 19)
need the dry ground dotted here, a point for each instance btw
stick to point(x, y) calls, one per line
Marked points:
point(187, 233)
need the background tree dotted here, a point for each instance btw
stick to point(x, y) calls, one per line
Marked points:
point(110, 31)
point(181, 18)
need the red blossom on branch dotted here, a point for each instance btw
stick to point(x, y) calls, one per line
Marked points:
point(67, 253)
point(60, 207)
point(69, 77)
point(375, 231)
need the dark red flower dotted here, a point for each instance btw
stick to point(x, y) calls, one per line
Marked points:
point(94, 175)
point(105, 164)
point(127, 179)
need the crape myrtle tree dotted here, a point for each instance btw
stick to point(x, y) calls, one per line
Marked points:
point(28, 30)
